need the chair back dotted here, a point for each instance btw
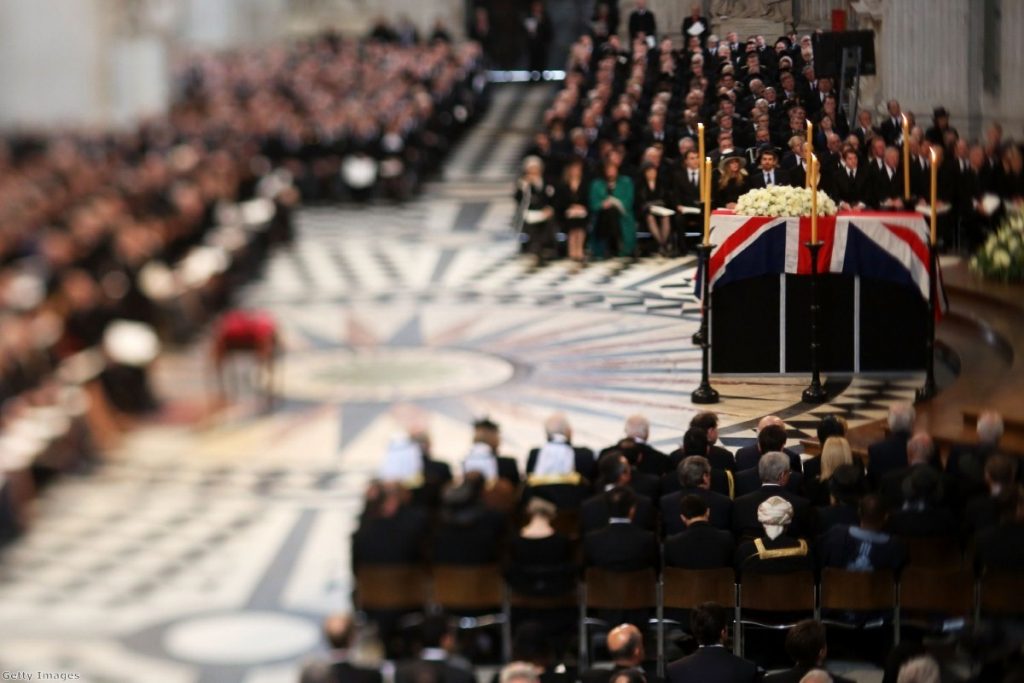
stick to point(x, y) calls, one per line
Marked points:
point(857, 591)
point(567, 523)
point(390, 587)
point(787, 592)
point(948, 591)
point(465, 587)
point(687, 588)
point(939, 551)
point(614, 590)
point(1001, 592)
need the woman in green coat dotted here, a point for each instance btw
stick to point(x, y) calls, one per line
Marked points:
point(611, 205)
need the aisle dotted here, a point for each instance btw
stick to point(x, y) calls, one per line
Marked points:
point(208, 548)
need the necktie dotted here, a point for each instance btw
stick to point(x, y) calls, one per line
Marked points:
point(693, 178)
point(850, 171)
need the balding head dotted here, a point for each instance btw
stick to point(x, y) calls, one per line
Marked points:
point(816, 676)
point(626, 645)
point(770, 420)
point(637, 427)
point(990, 428)
point(558, 424)
point(901, 417)
point(338, 631)
point(920, 449)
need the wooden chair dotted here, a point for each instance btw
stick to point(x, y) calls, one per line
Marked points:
point(1000, 594)
point(477, 595)
point(779, 593)
point(612, 590)
point(863, 592)
point(932, 551)
point(687, 588)
point(390, 588)
point(936, 595)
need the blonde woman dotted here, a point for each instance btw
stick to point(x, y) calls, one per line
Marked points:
point(835, 453)
point(730, 181)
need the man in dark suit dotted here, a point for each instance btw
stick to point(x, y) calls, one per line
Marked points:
point(887, 183)
point(694, 477)
point(621, 545)
point(648, 460)
point(390, 532)
point(559, 433)
point(700, 545)
point(865, 128)
point(769, 174)
point(641, 20)
point(865, 546)
point(773, 469)
point(436, 660)
point(767, 441)
point(806, 646)
point(891, 452)
point(891, 128)
point(469, 532)
point(712, 662)
point(966, 463)
point(695, 442)
point(918, 454)
point(615, 473)
point(849, 185)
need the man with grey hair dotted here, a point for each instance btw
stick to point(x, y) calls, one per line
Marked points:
point(920, 670)
point(645, 458)
point(773, 469)
point(694, 473)
point(558, 448)
point(519, 672)
point(900, 486)
point(966, 463)
point(891, 452)
point(816, 676)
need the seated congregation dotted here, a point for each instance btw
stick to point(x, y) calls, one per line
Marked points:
point(582, 541)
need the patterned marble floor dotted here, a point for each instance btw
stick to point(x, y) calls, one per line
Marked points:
point(210, 545)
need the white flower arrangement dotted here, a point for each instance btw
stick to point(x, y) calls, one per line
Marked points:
point(1002, 255)
point(782, 200)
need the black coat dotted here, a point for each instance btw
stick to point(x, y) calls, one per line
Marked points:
point(749, 480)
point(757, 178)
point(343, 671)
point(390, 540)
point(749, 456)
point(850, 190)
point(442, 672)
point(748, 560)
point(700, 546)
point(620, 547)
point(475, 537)
point(837, 548)
point(720, 507)
point(887, 455)
point(594, 513)
point(712, 665)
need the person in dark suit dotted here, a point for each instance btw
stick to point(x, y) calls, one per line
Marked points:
point(686, 191)
point(773, 551)
point(696, 26)
point(1002, 546)
point(985, 510)
point(621, 545)
point(436, 474)
point(571, 206)
point(849, 185)
point(695, 443)
point(846, 487)
point(642, 20)
point(645, 458)
point(768, 173)
point(768, 440)
point(865, 128)
point(891, 452)
point(895, 486)
point(540, 559)
point(773, 470)
point(807, 647)
point(830, 425)
point(559, 437)
point(339, 632)
point(730, 181)
point(865, 546)
point(700, 545)
point(390, 531)
point(966, 463)
point(891, 128)
point(469, 533)
point(886, 192)
point(653, 199)
point(712, 662)
point(922, 515)
point(436, 661)
point(483, 456)
point(719, 457)
point(694, 478)
point(615, 472)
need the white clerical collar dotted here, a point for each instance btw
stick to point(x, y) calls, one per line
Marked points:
point(619, 520)
point(433, 654)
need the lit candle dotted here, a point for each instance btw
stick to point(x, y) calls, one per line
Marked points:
point(809, 151)
point(935, 197)
point(700, 155)
point(707, 201)
point(906, 158)
point(812, 175)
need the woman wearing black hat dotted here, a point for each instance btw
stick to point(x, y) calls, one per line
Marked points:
point(730, 181)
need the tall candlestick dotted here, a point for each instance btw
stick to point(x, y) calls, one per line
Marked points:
point(812, 174)
point(707, 201)
point(809, 151)
point(906, 158)
point(935, 197)
point(700, 155)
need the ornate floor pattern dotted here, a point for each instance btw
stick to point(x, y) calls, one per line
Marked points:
point(207, 550)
